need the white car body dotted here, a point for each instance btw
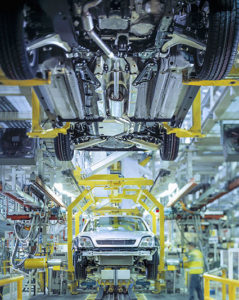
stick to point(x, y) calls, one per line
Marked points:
point(116, 247)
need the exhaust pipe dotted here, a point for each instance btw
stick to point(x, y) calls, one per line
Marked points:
point(88, 26)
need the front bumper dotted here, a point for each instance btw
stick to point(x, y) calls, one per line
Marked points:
point(141, 253)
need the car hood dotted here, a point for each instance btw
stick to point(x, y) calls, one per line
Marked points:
point(116, 238)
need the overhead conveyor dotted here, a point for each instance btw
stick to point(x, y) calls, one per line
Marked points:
point(39, 132)
point(41, 103)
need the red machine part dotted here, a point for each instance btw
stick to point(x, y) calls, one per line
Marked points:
point(26, 217)
point(14, 198)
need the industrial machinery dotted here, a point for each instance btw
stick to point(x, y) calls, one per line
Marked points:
point(115, 253)
point(16, 148)
point(117, 66)
point(230, 139)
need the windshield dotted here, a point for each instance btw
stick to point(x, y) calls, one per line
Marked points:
point(116, 224)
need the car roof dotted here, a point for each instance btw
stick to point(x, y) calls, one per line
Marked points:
point(135, 217)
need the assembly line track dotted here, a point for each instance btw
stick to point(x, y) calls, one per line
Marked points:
point(115, 297)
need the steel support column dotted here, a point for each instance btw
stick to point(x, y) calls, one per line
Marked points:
point(161, 224)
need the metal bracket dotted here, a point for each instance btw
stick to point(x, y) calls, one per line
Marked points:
point(146, 74)
point(85, 72)
point(37, 130)
point(50, 39)
point(178, 38)
point(195, 130)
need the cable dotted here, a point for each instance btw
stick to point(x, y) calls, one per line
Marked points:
point(32, 235)
point(21, 263)
point(17, 231)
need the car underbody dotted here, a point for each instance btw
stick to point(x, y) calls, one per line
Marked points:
point(117, 66)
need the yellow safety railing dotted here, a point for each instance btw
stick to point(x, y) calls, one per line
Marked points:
point(17, 279)
point(232, 286)
point(6, 267)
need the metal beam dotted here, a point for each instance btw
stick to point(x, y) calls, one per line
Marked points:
point(48, 192)
point(14, 198)
point(205, 198)
point(208, 158)
point(88, 144)
point(181, 193)
point(105, 163)
point(115, 210)
point(144, 144)
point(229, 116)
point(15, 116)
point(29, 200)
point(113, 181)
point(218, 108)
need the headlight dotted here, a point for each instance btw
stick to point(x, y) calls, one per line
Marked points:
point(85, 242)
point(146, 242)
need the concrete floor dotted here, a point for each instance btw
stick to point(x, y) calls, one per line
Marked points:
point(83, 297)
point(166, 297)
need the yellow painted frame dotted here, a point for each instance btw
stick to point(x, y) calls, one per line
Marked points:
point(115, 210)
point(161, 224)
point(196, 129)
point(37, 131)
point(70, 225)
point(30, 82)
point(145, 161)
point(223, 82)
point(113, 182)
